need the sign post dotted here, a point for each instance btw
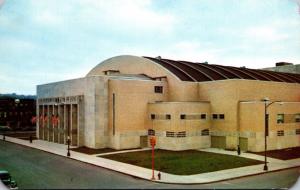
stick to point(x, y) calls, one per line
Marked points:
point(153, 143)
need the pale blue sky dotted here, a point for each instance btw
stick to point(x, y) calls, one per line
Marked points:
point(44, 41)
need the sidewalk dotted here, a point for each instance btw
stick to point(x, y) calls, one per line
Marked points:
point(144, 173)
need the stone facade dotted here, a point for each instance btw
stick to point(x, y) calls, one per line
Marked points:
point(126, 99)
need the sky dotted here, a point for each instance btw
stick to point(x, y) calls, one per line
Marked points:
point(43, 41)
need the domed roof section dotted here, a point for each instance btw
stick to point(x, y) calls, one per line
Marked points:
point(128, 64)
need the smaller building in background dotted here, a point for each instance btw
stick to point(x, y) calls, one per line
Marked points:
point(285, 67)
point(17, 112)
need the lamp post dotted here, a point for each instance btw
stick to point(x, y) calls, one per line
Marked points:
point(266, 100)
point(68, 141)
point(17, 101)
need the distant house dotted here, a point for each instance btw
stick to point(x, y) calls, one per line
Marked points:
point(186, 105)
point(17, 113)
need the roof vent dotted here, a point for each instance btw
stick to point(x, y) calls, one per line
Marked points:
point(205, 62)
point(243, 67)
point(158, 57)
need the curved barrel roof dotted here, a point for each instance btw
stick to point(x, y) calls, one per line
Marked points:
point(198, 72)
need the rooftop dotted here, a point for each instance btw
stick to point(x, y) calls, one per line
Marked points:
point(199, 72)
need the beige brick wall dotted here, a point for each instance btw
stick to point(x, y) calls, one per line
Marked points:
point(131, 101)
point(225, 96)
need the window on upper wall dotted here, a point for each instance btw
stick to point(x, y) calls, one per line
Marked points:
point(158, 89)
point(203, 116)
point(221, 116)
point(297, 117)
point(152, 116)
point(215, 116)
point(280, 118)
point(168, 116)
point(182, 116)
point(297, 131)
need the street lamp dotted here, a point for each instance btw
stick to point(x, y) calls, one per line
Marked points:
point(266, 100)
point(68, 141)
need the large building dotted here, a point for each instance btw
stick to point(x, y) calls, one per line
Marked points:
point(17, 113)
point(285, 67)
point(186, 105)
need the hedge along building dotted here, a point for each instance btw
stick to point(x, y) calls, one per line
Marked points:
point(185, 105)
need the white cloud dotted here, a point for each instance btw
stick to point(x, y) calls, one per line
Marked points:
point(132, 14)
point(16, 44)
point(264, 34)
point(125, 14)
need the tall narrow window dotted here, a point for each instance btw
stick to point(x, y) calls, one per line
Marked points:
point(158, 89)
point(182, 116)
point(280, 118)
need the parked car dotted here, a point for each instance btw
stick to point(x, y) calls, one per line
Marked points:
point(5, 128)
point(7, 180)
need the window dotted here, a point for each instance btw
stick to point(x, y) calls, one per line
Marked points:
point(215, 116)
point(158, 89)
point(280, 133)
point(169, 134)
point(181, 134)
point(151, 132)
point(160, 116)
point(182, 116)
point(221, 116)
point(168, 116)
point(203, 116)
point(280, 118)
point(174, 134)
point(205, 132)
point(297, 117)
point(152, 116)
point(297, 131)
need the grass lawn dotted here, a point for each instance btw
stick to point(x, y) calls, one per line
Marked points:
point(282, 154)
point(183, 162)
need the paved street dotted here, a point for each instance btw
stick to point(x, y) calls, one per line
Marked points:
point(37, 169)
